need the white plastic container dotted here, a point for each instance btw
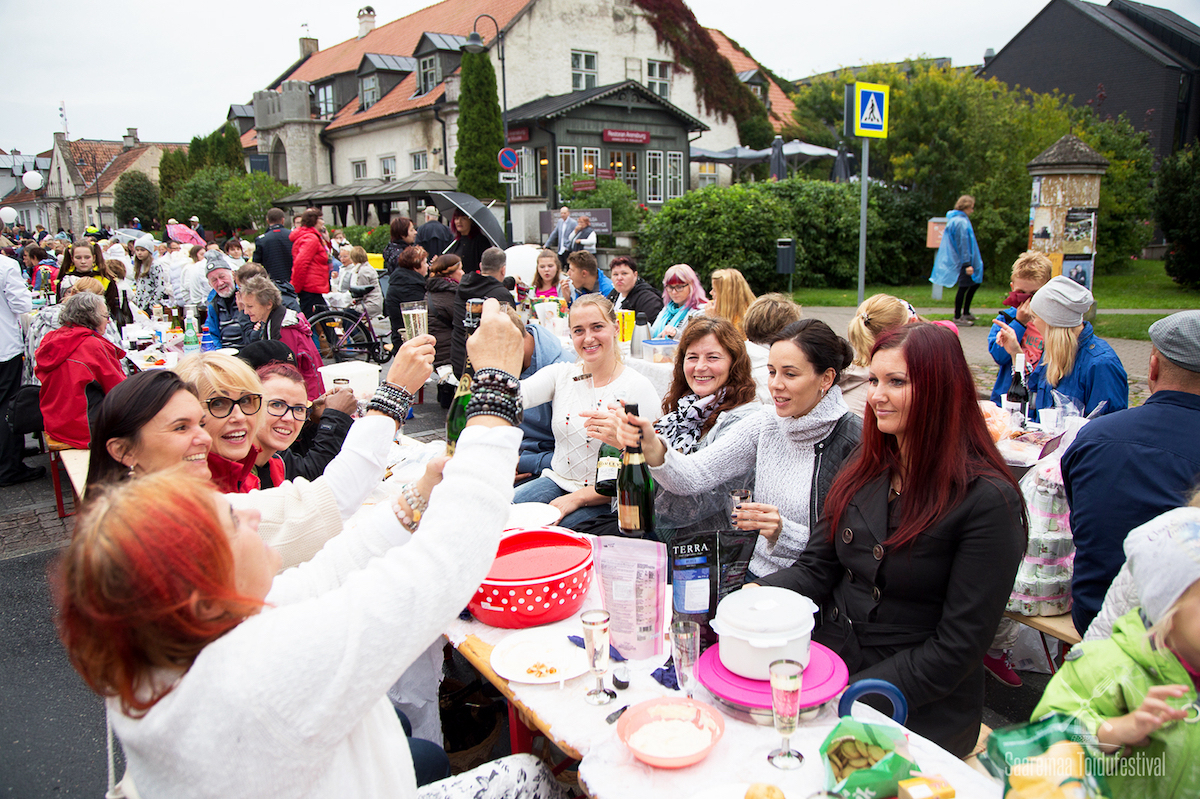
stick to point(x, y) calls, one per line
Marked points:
point(758, 626)
point(363, 378)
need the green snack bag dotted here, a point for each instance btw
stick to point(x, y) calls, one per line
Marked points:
point(1053, 751)
point(865, 761)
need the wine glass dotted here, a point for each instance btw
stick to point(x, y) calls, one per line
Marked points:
point(416, 319)
point(685, 649)
point(786, 677)
point(595, 643)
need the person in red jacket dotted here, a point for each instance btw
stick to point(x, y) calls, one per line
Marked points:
point(310, 261)
point(77, 367)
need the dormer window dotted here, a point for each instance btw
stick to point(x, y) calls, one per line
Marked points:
point(431, 73)
point(325, 107)
point(368, 91)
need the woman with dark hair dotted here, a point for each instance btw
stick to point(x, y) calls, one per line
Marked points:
point(630, 292)
point(263, 303)
point(85, 259)
point(404, 233)
point(77, 366)
point(310, 261)
point(440, 286)
point(406, 284)
point(923, 531)
point(469, 241)
point(795, 449)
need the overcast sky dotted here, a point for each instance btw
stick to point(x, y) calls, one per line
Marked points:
point(172, 69)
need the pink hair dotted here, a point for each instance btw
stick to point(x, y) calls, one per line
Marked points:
point(682, 273)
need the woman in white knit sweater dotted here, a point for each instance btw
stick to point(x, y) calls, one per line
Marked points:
point(227, 680)
point(794, 448)
point(569, 483)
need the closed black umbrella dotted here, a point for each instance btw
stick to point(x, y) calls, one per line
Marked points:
point(841, 167)
point(447, 201)
point(778, 163)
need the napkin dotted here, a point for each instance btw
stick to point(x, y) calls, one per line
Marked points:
point(612, 650)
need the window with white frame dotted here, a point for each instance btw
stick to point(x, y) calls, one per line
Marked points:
point(625, 164)
point(583, 70)
point(387, 167)
point(568, 162)
point(757, 91)
point(591, 160)
point(526, 173)
point(708, 174)
point(674, 175)
point(359, 168)
point(658, 78)
point(368, 91)
point(325, 107)
point(431, 73)
point(654, 176)
point(420, 161)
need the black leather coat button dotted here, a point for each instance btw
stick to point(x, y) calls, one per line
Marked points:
point(849, 575)
point(847, 535)
point(878, 552)
point(876, 593)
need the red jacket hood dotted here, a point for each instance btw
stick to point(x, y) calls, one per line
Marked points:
point(302, 231)
point(60, 344)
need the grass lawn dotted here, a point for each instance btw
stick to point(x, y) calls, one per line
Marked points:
point(1114, 325)
point(1142, 284)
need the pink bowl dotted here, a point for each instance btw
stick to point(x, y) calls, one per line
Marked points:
point(643, 713)
point(539, 576)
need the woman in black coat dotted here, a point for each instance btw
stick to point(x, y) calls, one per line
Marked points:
point(469, 241)
point(404, 233)
point(440, 287)
point(405, 284)
point(923, 531)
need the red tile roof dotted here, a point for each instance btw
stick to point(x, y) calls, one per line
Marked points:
point(250, 139)
point(396, 101)
point(781, 105)
point(90, 157)
point(24, 196)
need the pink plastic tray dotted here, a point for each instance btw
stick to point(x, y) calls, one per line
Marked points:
point(824, 678)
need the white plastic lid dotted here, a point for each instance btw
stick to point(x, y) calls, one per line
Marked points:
point(765, 612)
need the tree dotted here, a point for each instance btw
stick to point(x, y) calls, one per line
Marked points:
point(199, 195)
point(225, 148)
point(614, 195)
point(480, 129)
point(246, 198)
point(197, 154)
point(135, 195)
point(1177, 211)
point(172, 172)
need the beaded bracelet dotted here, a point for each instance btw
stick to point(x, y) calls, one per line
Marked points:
point(405, 520)
point(496, 393)
point(416, 506)
point(392, 401)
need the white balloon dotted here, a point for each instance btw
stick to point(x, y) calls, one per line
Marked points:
point(522, 262)
point(32, 180)
point(8, 214)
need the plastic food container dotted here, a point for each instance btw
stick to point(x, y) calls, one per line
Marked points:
point(539, 576)
point(362, 377)
point(659, 350)
point(758, 626)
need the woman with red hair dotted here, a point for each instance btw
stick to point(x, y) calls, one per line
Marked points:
point(921, 538)
point(224, 679)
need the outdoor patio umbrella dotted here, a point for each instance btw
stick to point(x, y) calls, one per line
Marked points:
point(447, 201)
point(127, 234)
point(779, 169)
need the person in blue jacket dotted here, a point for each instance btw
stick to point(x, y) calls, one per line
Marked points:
point(958, 262)
point(1030, 272)
point(1076, 363)
point(542, 348)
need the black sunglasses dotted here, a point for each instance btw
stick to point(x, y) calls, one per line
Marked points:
point(278, 407)
point(220, 407)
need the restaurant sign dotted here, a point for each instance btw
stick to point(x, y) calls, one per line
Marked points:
point(627, 136)
point(583, 185)
point(517, 135)
point(606, 174)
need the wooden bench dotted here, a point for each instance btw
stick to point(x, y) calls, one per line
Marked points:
point(1060, 627)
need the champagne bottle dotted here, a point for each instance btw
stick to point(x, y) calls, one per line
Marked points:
point(1017, 398)
point(608, 466)
point(635, 492)
point(456, 419)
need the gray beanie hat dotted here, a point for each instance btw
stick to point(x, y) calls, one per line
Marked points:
point(214, 260)
point(1178, 338)
point(1164, 558)
point(1062, 302)
point(146, 242)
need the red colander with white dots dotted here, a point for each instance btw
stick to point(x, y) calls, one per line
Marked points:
point(540, 575)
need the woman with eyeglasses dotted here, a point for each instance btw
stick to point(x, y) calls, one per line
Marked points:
point(683, 297)
point(273, 321)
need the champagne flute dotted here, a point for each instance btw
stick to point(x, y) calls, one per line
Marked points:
point(595, 643)
point(685, 649)
point(416, 319)
point(786, 677)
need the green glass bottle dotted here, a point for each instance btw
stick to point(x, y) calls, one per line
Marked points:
point(456, 419)
point(608, 466)
point(635, 492)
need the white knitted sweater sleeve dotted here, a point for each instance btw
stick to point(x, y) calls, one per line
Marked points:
point(733, 453)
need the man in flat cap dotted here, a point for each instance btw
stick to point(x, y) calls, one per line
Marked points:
point(1126, 468)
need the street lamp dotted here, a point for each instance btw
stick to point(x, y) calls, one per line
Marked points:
point(91, 161)
point(474, 44)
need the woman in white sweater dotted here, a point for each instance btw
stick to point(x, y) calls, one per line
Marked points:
point(569, 483)
point(226, 680)
point(794, 448)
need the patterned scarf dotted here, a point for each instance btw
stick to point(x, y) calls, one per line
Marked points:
point(683, 427)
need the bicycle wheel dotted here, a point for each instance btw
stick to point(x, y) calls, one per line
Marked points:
point(343, 336)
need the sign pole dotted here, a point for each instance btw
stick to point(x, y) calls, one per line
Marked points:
point(862, 222)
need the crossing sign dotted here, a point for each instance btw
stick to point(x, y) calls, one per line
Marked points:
point(871, 110)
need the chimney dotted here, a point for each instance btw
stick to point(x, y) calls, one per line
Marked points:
point(130, 139)
point(366, 21)
point(308, 46)
point(988, 55)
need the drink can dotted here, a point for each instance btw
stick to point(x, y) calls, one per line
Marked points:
point(627, 319)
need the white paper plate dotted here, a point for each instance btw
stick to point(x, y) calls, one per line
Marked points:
point(732, 790)
point(513, 657)
point(528, 515)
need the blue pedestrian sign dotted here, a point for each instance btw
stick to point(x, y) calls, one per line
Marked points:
point(507, 158)
point(871, 110)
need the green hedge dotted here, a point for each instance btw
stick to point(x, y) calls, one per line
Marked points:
point(737, 227)
point(371, 239)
